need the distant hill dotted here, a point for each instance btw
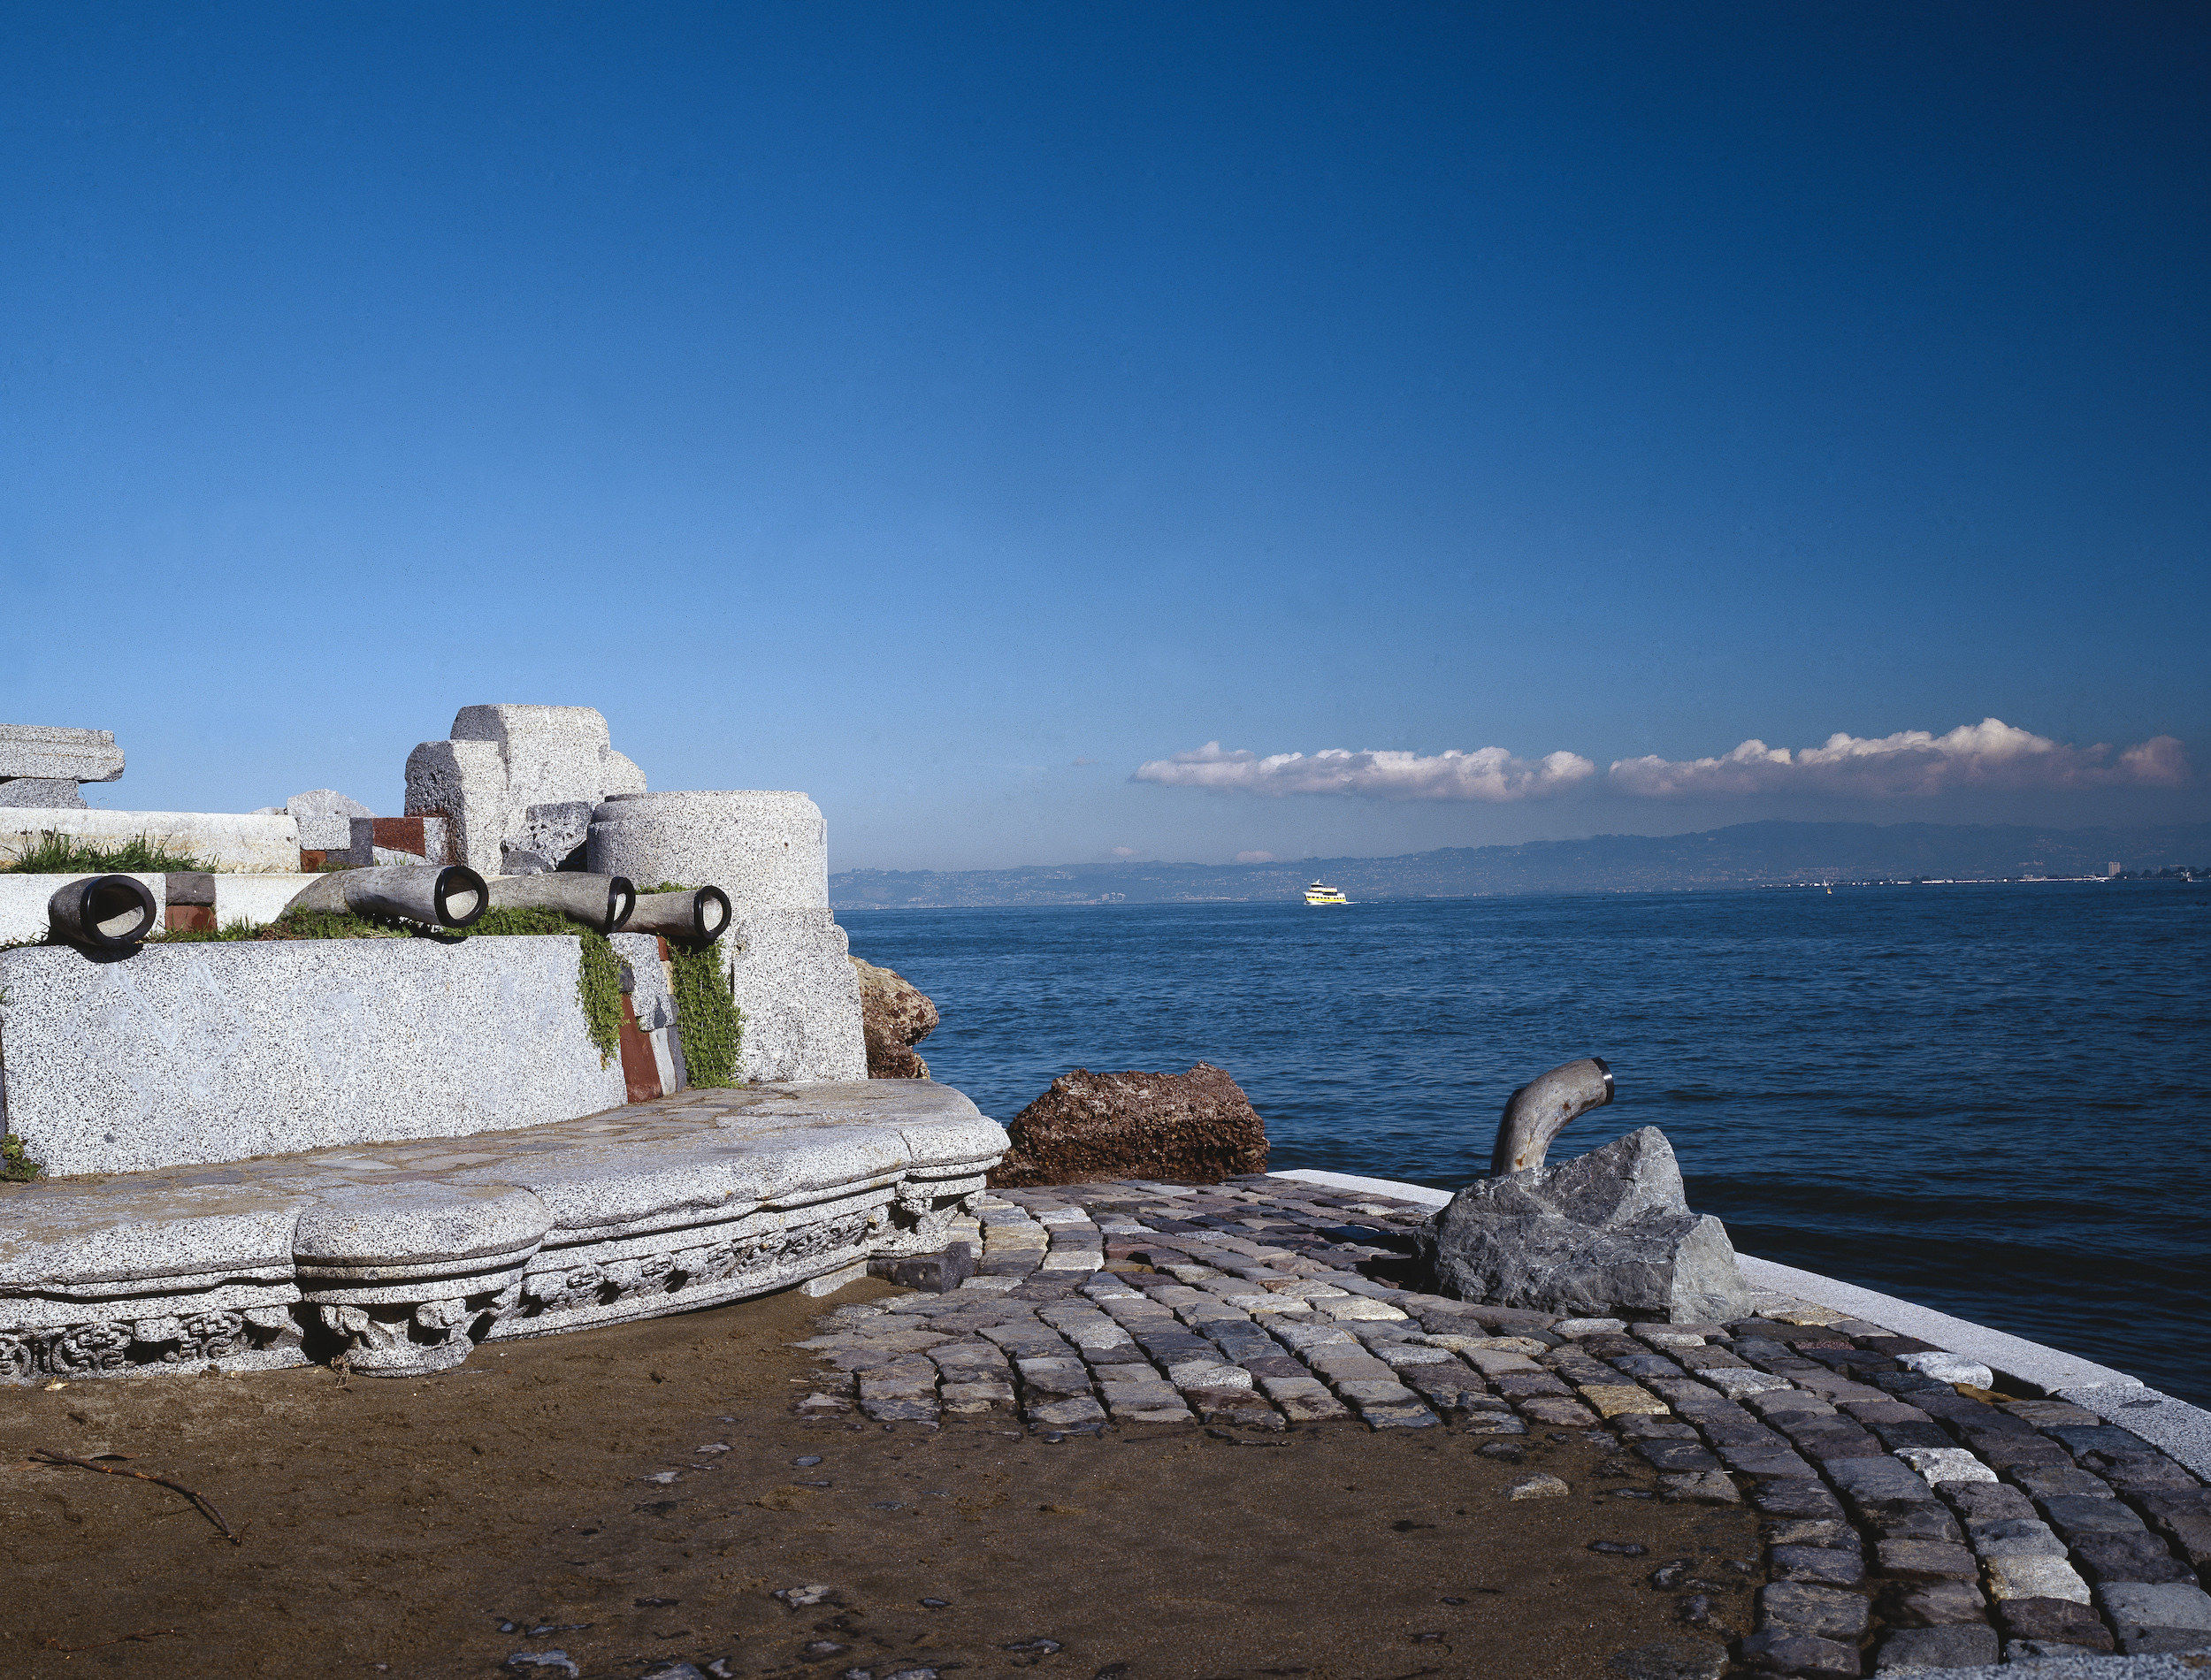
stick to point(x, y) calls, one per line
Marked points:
point(1747, 854)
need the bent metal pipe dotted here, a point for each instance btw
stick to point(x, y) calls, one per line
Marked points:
point(1543, 1108)
point(442, 895)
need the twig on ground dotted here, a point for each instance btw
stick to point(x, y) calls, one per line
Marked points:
point(145, 1633)
point(200, 1499)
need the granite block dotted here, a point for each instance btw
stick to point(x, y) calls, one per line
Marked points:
point(1932, 1604)
point(179, 1055)
point(2129, 1557)
point(2057, 1621)
point(218, 840)
point(1778, 1651)
point(1956, 1645)
point(2160, 1617)
point(60, 754)
point(43, 793)
point(1829, 1613)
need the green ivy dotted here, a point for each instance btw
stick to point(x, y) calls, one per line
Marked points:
point(707, 1014)
point(16, 1167)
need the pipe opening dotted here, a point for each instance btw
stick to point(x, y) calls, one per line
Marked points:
point(460, 896)
point(117, 910)
point(621, 902)
point(714, 912)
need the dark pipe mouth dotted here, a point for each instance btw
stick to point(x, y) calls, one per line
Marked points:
point(460, 896)
point(710, 908)
point(1605, 1068)
point(115, 911)
point(621, 902)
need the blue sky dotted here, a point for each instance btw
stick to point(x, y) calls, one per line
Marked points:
point(954, 411)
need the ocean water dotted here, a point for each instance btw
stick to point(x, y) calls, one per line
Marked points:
point(1991, 1100)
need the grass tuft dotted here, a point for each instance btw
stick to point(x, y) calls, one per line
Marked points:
point(72, 854)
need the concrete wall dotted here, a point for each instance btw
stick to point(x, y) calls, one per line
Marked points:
point(217, 839)
point(23, 903)
point(177, 1055)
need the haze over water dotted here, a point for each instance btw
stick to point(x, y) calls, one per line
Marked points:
point(1985, 1099)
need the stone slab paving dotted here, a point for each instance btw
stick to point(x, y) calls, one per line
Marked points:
point(1912, 1522)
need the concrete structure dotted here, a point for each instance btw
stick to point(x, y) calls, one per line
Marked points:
point(789, 963)
point(402, 1256)
point(512, 778)
point(194, 1054)
point(40, 766)
point(242, 843)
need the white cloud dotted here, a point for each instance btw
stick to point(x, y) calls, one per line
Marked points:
point(1489, 772)
point(1989, 754)
point(1124, 851)
point(1255, 856)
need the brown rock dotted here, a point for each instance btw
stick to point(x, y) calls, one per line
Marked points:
point(1196, 1128)
point(894, 1016)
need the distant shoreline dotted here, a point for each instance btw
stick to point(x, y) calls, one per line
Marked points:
point(1745, 856)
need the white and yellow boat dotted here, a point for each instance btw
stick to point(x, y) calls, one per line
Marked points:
point(1321, 893)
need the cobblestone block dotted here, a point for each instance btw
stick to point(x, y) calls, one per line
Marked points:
point(2056, 1620)
point(1737, 1384)
point(1875, 1484)
point(2013, 1537)
point(1307, 1401)
point(2033, 1578)
point(1352, 1368)
point(1064, 1413)
point(1929, 1522)
point(1830, 1613)
point(1777, 1652)
point(1925, 1561)
point(966, 1398)
point(2075, 1517)
point(1529, 1385)
point(2149, 1618)
point(2129, 1557)
point(906, 1408)
point(1704, 1487)
point(1612, 1399)
point(1822, 1566)
point(2059, 1481)
point(1797, 1497)
point(1053, 1377)
point(1959, 1646)
point(1154, 1396)
point(2185, 1518)
point(1932, 1604)
point(1209, 1374)
point(1675, 1455)
point(1560, 1414)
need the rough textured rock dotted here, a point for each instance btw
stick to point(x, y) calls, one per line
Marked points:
point(1608, 1232)
point(894, 1016)
point(65, 755)
point(326, 818)
point(1195, 1127)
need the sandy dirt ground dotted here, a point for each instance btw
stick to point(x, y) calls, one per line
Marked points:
point(392, 1527)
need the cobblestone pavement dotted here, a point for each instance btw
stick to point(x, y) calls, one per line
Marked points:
point(1910, 1522)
